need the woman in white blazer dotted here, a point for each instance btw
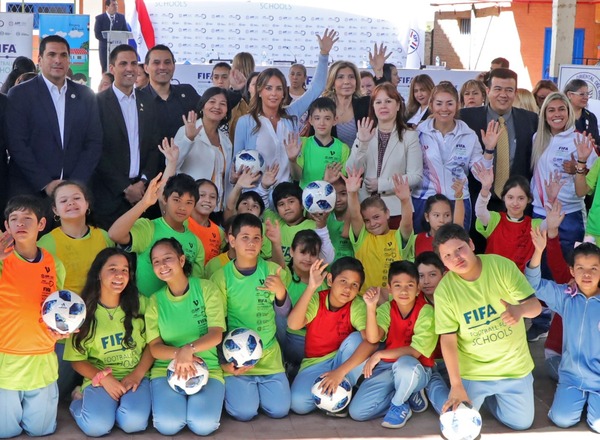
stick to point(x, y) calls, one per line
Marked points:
point(205, 150)
point(386, 146)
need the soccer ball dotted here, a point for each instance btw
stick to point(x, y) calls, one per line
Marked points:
point(63, 311)
point(335, 402)
point(243, 347)
point(251, 159)
point(462, 424)
point(318, 197)
point(193, 384)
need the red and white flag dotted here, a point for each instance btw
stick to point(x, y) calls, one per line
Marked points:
point(141, 26)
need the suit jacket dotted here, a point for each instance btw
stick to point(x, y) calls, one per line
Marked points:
point(112, 175)
point(3, 156)
point(36, 151)
point(103, 24)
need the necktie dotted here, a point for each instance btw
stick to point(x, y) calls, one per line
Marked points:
point(112, 21)
point(502, 159)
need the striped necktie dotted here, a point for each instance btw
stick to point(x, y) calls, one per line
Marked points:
point(502, 159)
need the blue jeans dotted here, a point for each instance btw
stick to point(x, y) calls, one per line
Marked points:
point(31, 411)
point(244, 394)
point(419, 214)
point(302, 400)
point(201, 412)
point(437, 390)
point(509, 400)
point(568, 405)
point(68, 378)
point(292, 345)
point(97, 412)
point(390, 383)
point(552, 363)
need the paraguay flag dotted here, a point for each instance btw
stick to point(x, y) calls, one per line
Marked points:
point(141, 26)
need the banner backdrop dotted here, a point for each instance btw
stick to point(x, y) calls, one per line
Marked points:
point(200, 32)
point(591, 75)
point(76, 30)
point(16, 39)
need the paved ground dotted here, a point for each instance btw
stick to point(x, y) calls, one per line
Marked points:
point(318, 426)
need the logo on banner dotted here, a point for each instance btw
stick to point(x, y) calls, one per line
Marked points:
point(413, 41)
point(592, 80)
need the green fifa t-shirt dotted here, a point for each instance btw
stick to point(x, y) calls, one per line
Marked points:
point(180, 320)
point(144, 234)
point(313, 158)
point(424, 338)
point(287, 233)
point(488, 349)
point(593, 219)
point(106, 348)
point(358, 319)
point(248, 307)
point(342, 245)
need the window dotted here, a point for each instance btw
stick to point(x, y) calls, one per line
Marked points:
point(40, 8)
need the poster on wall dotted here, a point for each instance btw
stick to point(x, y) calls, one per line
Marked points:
point(16, 39)
point(76, 30)
point(276, 33)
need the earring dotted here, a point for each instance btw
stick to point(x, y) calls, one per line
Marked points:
point(88, 212)
point(56, 218)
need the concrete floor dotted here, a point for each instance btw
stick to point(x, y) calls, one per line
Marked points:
point(319, 426)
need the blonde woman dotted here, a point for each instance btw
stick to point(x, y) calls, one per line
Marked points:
point(524, 99)
point(554, 144)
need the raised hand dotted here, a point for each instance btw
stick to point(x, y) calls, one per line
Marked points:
point(332, 172)
point(269, 177)
point(326, 42)
point(366, 130)
point(371, 296)
point(189, 123)
point(554, 216)
point(584, 145)
point(378, 57)
point(317, 275)
point(401, 187)
point(247, 179)
point(553, 186)
point(458, 186)
point(490, 135)
point(153, 191)
point(539, 238)
point(293, 146)
point(484, 175)
point(320, 219)
point(170, 150)
point(354, 179)
point(273, 231)
point(237, 80)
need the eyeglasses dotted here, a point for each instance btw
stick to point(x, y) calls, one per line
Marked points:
point(582, 94)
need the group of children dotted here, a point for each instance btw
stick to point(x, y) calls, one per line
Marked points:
point(334, 296)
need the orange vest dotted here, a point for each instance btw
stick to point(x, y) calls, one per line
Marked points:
point(23, 288)
point(210, 237)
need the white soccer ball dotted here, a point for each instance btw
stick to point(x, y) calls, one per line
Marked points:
point(243, 347)
point(193, 384)
point(63, 311)
point(462, 424)
point(335, 402)
point(318, 197)
point(251, 159)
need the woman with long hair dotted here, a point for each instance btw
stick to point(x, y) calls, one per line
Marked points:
point(417, 109)
point(386, 146)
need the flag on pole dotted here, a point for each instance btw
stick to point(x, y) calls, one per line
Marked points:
point(141, 26)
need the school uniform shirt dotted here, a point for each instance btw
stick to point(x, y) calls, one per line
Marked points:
point(559, 151)
point(180, 320)
point(579, 366)
point(27, 357)
point(376, 252)
point(593, 219)
point(106, 349)
point(314, 158)
point(341, 245)
point(248, 307)
point(215, 264)
point(415, 330)
point(417, 244)
point(77, 254)
point(509, 238)
point(326, 329)
point(144, 234)
point(447, 158)
point(488, 349)
point(211, 236)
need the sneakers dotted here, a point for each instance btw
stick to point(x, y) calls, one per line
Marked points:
point(535, 333)
point(397, 416)
point(418, 401)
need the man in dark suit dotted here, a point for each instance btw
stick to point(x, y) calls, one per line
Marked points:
point(130, 156)
point(520, 124)
point(3, 158)
point(54, 130)
point(111, 20)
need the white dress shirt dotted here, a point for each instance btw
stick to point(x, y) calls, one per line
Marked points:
point(129, 110)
